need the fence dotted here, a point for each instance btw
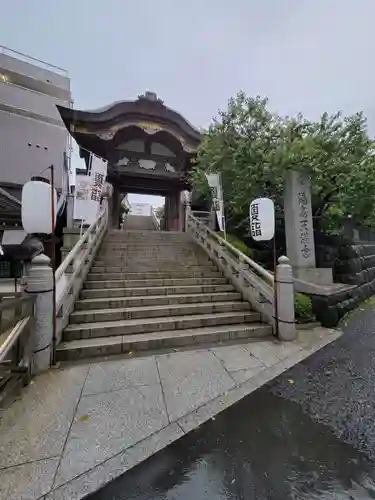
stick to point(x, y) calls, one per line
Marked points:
point(16, 335)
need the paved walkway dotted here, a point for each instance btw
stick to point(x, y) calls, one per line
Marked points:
point(75, 429)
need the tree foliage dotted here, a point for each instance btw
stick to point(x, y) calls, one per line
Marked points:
point(252, 148)
point(159, 212)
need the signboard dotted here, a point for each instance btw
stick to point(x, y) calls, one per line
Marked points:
point(89, 190)
point(262, 219)
point(214, 181)
point(140, 209)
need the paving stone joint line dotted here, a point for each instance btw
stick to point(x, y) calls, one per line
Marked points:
point(70, 427)
point(285, 363)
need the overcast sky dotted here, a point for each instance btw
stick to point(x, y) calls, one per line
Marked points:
point(305, 55)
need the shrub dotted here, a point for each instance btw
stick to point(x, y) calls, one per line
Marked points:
point(239, 244)
point(303, 308)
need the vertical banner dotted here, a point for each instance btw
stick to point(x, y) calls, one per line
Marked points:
point(89, 190)
point(214, 181)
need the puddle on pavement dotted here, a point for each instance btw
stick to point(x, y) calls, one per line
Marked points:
point(263, 448)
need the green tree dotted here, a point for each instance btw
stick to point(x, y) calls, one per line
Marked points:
point(252, 148)
point(159, 212)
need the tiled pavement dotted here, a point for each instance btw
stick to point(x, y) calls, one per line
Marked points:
point(74, 429)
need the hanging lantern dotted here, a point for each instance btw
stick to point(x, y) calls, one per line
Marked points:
point(262, 219)
point(36, 209)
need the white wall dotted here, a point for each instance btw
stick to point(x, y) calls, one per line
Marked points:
point(47, 74)
point(140, 209)
point(20, 158)
point(30, 101)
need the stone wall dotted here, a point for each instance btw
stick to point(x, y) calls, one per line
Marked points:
point(329, 309)
point(354, 266)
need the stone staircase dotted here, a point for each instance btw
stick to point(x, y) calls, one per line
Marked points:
point(151, 290)
point(138, 223)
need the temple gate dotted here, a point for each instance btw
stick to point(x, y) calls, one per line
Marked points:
point(149, 148)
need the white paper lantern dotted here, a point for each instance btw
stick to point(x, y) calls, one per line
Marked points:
point(262, 219)
point(36, 206)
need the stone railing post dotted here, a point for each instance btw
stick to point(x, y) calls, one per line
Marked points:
point(39, 282)
point(285, 299)
point(187, 207)
point(242, 266)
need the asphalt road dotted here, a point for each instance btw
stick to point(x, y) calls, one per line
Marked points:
point(309, 434)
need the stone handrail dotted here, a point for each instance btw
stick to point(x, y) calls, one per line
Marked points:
point(249, 278)
point(299, 285)
point(16, 337)
point(72, 272)
point(201, 215)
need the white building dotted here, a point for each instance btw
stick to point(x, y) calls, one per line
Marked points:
point(140, 209)
point(32, 137)
point(32, 134)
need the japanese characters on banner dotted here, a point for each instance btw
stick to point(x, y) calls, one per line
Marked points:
point(89, 190)
point(262, 219)
point(214, 181)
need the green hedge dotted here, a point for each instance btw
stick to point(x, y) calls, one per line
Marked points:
point(303, 308)
point(237, 243)
point(302, 303)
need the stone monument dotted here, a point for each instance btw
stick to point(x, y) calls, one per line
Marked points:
point(299, 229)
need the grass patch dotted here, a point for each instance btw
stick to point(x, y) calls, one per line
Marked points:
point(302, 303)
point(303, 308)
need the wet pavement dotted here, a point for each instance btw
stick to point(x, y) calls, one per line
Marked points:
point(309, 434)
point(75, 428)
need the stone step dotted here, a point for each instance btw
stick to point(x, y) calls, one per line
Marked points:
point(145, 240)
point(150, 240)
point(142, 256)
point(157, 311)
point(209, 273)
point(154, 282)
point(84, 348)
point(113, 233)
point(195, 271)
point(145, 243)
point(147, 325)
point(149, 243)
point(157, 290)
point(151, 261)
point(150, 300)
point(150, 264)
point(158, 252)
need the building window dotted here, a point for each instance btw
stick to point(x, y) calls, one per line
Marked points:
point(5, 269)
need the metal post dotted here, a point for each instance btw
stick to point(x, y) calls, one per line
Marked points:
point(53, 264)
point(275, 298)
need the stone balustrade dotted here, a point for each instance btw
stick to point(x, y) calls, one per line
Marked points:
point(256, 284)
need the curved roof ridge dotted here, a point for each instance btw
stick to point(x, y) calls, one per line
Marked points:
point(148, 104)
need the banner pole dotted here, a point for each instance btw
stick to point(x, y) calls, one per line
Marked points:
point(275, 298)
point(223, 207)
point(53, 265)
